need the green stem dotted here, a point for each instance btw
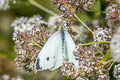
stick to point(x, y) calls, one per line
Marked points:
point(103, 12)
point(106, 63)
point(42, 7)
point(111, 65)
point(100, 52)
point(83, 23)
point(34, 43)
point(107, 42)
point(107, 55)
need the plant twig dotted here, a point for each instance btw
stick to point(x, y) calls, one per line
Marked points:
point(42, 7)
point(106, 42)
point(108, 55)
point(83, 23)
point(111, 65)
point(34, 43)
point(106, 63)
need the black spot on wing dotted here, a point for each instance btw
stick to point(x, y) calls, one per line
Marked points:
point(37, 64)
point(47, 58)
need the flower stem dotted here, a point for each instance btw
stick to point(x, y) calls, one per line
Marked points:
point(103, 12)
point(106, 63)
point(111, 65)
point(42, 7)
point(107, 42)
point(34, 43)
point(83, 23)
point(107, 55)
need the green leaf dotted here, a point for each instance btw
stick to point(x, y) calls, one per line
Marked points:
point(48, 4)
point(108, 55)
point(84, 17)
point(97, 8)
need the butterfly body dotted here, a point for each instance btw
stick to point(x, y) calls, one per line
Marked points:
point(58, 48)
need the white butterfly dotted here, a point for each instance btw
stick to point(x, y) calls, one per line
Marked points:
point(58, 48)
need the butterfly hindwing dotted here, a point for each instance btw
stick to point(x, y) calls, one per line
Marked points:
point(70, 46)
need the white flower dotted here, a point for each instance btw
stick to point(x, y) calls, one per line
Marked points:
point(102, 34)
point(116, 71)
point(52, 20)
point(19, 78)
point(25, 24)
point(4, 4)
point(6, 77)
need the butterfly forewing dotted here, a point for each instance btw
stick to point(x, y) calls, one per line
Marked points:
point(50, 57)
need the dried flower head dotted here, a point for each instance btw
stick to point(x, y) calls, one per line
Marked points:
point(69, 7)
point(29, 36)
point(113, 13)
point(85, 4)
point(102, 34)
point(68, 70)
point(88, 70)
point(66, 7)
point(115, 44)
point(116, 71)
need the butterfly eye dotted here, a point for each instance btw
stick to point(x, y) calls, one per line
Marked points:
point(47, 58)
